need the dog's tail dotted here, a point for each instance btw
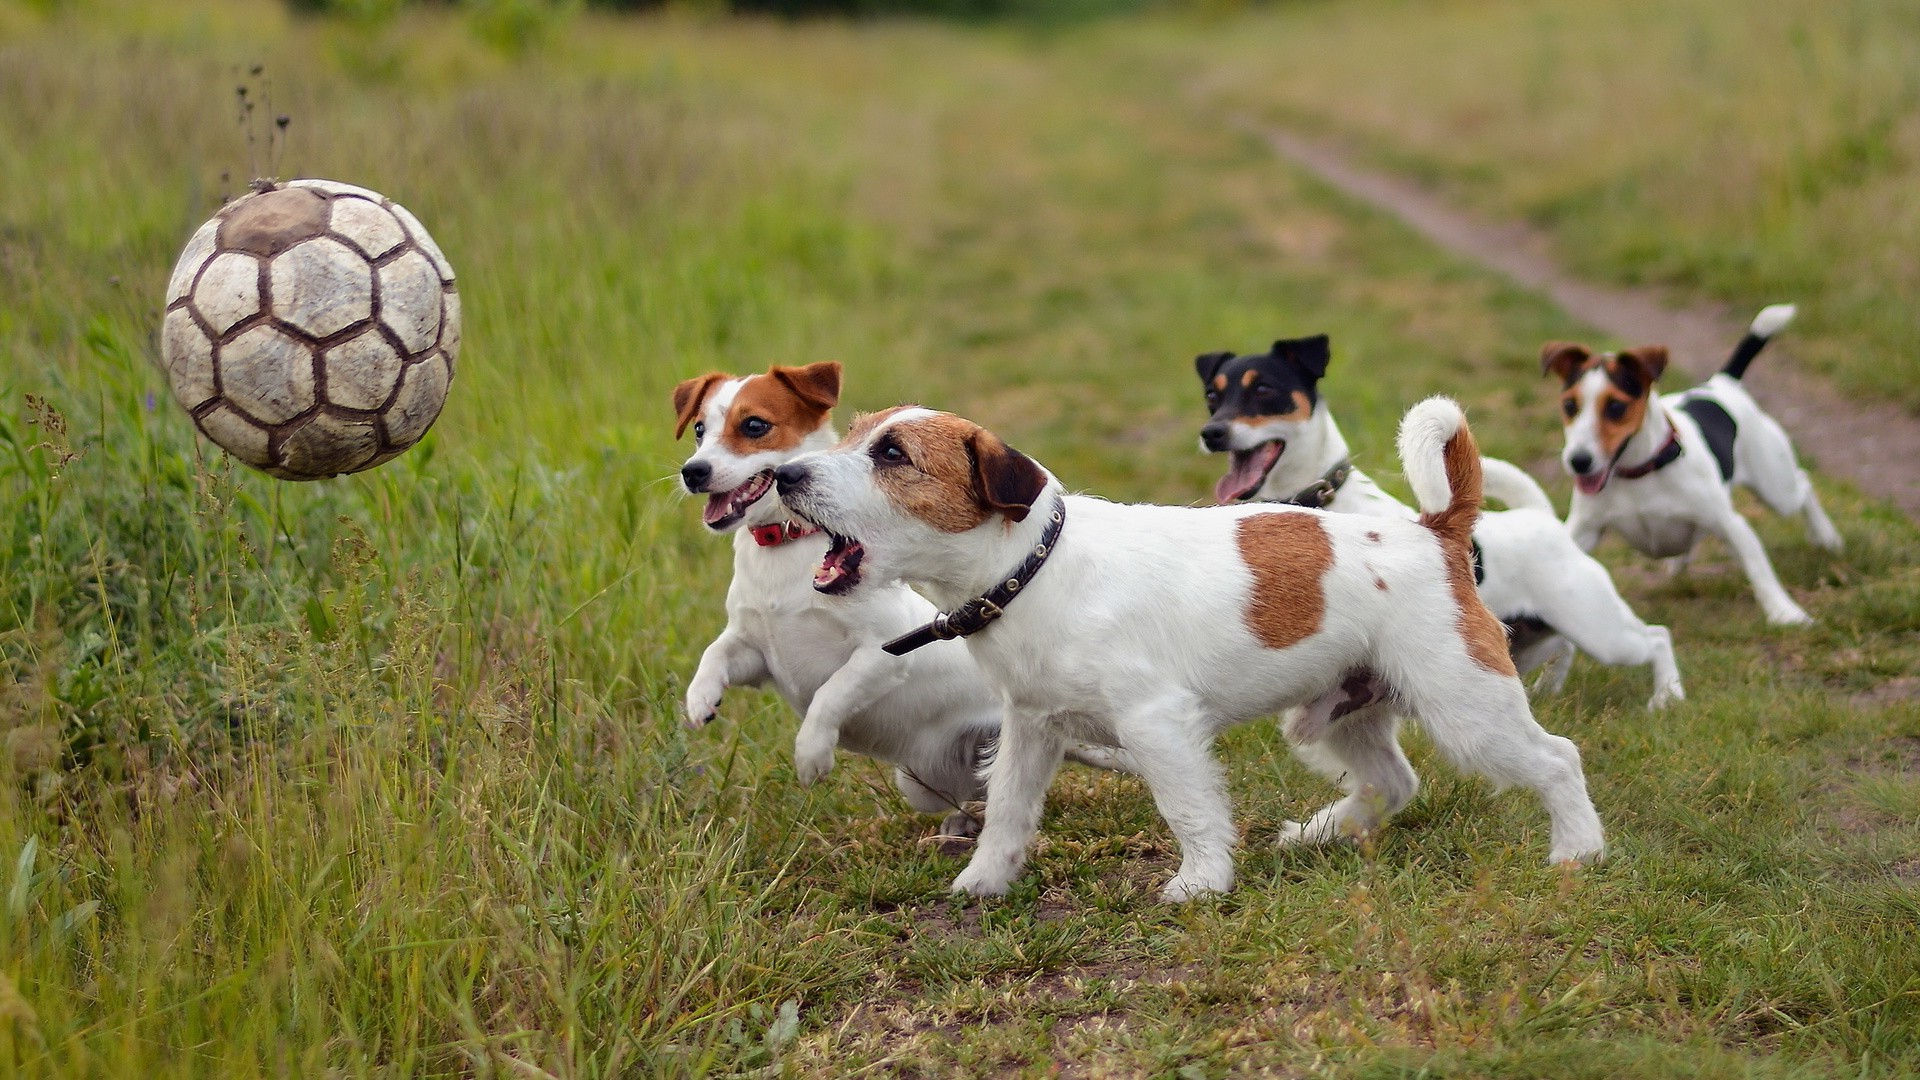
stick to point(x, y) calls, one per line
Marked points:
point(1772, 319)
point(1512, 486)
point(1443, 466)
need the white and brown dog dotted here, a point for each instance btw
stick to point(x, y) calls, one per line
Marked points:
point(1660, 472)
point(932, 714)
point(1266, 414)
point(1153, 628)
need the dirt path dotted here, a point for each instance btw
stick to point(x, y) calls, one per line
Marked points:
point(1877, 446)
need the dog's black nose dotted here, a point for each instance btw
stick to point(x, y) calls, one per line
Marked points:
point(789, 477)
point(1580, 462)
point(695, 475)
point(1214, 436)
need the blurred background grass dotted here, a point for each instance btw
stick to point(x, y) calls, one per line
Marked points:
point(382, 774)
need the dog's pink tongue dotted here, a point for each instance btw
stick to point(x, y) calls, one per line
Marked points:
point(1591, 483)
point(718, 505)
point(1247, 472)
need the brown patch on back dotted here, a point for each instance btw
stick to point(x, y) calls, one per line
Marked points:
point(273, 221)
point(1289, 554)
point(691, 396)
point(795, 401)
point(957, 474)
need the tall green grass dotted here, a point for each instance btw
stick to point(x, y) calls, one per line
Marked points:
point(382, 775)
point(1744, 153)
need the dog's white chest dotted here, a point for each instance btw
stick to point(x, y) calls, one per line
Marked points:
point(1656, 534)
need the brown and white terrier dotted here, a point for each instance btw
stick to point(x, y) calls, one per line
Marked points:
point(931, 714)
point(1660, 471)
point(1153, 628)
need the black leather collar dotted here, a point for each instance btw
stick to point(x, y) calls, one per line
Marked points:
point(980, 612)
point(1317, 495)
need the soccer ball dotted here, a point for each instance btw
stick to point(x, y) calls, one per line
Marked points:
point(311, 329)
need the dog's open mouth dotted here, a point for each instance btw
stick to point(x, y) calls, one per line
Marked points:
point(840, 569)
point(1591, 483)
point(1247, 470)
point(726, 507)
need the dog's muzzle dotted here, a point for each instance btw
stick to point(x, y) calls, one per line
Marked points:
point(1216, 436)
point(791, 478)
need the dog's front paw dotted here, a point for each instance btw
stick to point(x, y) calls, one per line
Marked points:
point(703, 703)
point(812, 759)
point(977, 882)
point(1185, 887)
point(1665, 696)
point(1790, 615)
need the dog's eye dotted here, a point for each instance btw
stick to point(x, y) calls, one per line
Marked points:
point(1262, 390)
point(753, 427)
point(699, 430)
point(888, 452)
point(1616, 409)
point(1570, 407)
point(1213, 399)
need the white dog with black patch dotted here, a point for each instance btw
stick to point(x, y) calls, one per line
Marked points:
point(1154, 628)
point(1660, 471)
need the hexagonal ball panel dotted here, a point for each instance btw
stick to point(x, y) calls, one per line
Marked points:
point(236, 435)
point(267, 374)
point(361, 371)
point(334, 187)
point(229, 290)
point(327, 446)
point(423, 390)
point(320, 287)
point(450, 325)
point(419, 233)
point(410, 301)
point(189, 359)
point(198, 248)
point(366, 226)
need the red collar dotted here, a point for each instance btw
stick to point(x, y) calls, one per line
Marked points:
point(779, 533)
point(1668, 451)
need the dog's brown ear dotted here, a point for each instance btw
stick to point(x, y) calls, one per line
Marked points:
point(1004, 479)
point(689, 396)
point(1563, 358)
point(1649, 360)
point(816, 384)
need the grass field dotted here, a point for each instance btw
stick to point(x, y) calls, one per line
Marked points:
point(1729, 150)
point(383, 776)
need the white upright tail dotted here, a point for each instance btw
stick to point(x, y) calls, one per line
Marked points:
point(1443, 466)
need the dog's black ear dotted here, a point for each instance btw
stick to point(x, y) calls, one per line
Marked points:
point(1649, 360)
point(1564, 358)
point(689, 396)
point(1311, 353)
point(1004, 479)
point(1208, 364)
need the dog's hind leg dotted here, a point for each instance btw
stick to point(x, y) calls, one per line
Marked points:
point(1028, 754)
point(1553, 656)
point(1362, 752)
point(1170, 739)
point(1481, 722)
point(1587, 610)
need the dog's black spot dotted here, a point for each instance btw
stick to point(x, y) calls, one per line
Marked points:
point(1258, 386)
point(1717, 427)
point(1525, 631)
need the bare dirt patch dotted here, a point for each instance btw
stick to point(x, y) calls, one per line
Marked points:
point(1873, 444)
